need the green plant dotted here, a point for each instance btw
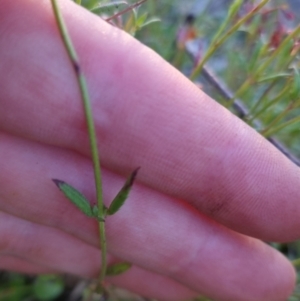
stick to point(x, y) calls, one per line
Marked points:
point(262, 84)
point(99, 211)
point(15, 287)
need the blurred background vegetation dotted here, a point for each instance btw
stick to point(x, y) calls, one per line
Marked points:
point(251, 67)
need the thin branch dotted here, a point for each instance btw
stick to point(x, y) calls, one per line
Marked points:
point(131, 7)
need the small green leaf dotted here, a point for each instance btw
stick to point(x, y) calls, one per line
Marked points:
point(294, 93)
point(141, 20)
point(95, 211)
point(234, 7)
point(272, 77)
point(118, 268)
point(78, 199)
point(121, 197)
point(150, 21)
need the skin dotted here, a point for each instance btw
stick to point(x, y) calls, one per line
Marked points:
point(209, 189)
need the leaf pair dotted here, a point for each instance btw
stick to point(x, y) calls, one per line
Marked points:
point(82, 203)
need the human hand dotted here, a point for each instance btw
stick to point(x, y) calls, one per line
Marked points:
point(208, 183)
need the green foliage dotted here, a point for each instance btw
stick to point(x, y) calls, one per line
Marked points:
point(48, 287)
point(83, 204)
point(122, 195)
point(255, 52)
point(15, 287)
point(117, 268)
point(71, 193)
point(77, 198)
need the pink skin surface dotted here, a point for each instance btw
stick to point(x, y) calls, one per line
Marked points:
point(209, 186)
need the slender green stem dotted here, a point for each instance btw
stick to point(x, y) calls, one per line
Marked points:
point(279, 97)
point(259, 102)
point(278, 118)
point(91, 130)
point(78, 2)
point(279, 127)
point(102, 234)
point(217, 43)
point(253, 78)
point(234, 7)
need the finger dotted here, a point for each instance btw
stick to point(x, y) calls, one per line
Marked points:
point(135, 280)
point(44, 246)
point(15, 264)
point(39, 249)
point(188, 145)
point(153, 231)
point(152, 285)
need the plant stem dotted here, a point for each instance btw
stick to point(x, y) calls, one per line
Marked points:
point(219, 41)
point(91, 131)
point(253, 78)
point(278, 97)
point(131, 7)
point(278, 118)
point(275, 129)
point(259, 102)
point(233, 9)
